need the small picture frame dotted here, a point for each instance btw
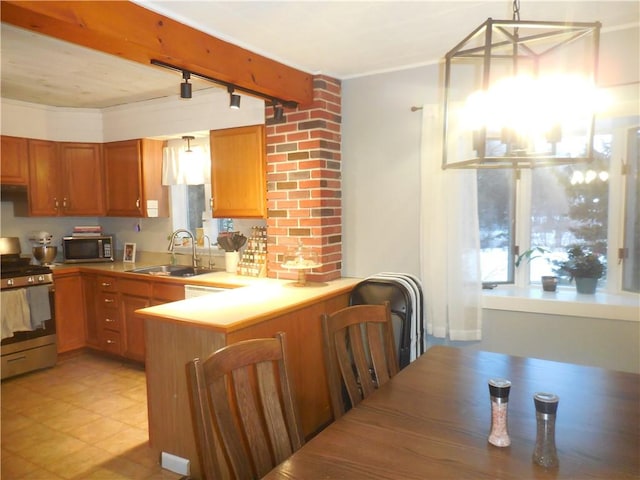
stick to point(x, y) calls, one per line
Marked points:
point(129, 253)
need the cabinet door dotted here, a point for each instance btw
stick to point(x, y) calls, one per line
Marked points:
point(83, 190)
point(123, 178)
point(91, 305)
point(69, 312)
point(238, 172)
point(14, 161)
point(133, 326)
point(45, 198)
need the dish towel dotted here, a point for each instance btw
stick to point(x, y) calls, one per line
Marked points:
point(38, 299)
point(14, 314)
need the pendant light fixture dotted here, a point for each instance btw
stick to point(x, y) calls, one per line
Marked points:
point(185, 87)
point(188, 139)
point(521, 94)
point(234, 99)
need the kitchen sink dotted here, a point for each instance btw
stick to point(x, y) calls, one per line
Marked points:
point(175, 270)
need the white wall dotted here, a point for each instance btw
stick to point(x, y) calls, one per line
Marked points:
point(381, 194)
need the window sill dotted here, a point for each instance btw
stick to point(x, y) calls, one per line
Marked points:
point(566, 301)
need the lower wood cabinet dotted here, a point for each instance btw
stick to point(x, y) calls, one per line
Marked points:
point(109, 324)
point(134, 294)
point(69, 311)
point(110, 303)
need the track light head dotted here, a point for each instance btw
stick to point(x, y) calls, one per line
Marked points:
point(278, 111)
point(234, 99)
point(185, 87)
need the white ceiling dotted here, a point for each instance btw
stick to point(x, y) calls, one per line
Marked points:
point(342, 39)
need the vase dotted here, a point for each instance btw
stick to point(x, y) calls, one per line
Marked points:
point(549, 283)
point(586, 285)
point(231, 261)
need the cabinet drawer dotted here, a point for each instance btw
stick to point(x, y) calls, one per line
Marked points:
point(107, 284)
point(112, 342)
point(136, 288)
point(110, 322)
point(108, 302)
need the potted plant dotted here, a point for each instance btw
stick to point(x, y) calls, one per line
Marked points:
point(583, 265)
point(549, 282)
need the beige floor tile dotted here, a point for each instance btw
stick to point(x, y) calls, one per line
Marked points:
point(84, 419)
point(74, 418)
point(80, 463)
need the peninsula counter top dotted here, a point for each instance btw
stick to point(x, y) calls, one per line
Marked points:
point(242, 306)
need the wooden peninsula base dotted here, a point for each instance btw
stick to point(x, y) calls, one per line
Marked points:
point(177, 332)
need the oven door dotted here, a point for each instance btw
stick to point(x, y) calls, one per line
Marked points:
point(30, 350)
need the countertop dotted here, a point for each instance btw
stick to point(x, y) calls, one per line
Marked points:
point(239, 308)
point(249, 300)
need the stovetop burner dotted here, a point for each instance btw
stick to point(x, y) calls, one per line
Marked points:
point(12, 266)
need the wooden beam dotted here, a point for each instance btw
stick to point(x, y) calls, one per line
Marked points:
point(134, 33)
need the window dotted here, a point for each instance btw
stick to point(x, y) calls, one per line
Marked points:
point(558, 206)
point(190, 209)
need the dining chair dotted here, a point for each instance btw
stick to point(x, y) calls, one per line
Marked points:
point(359, 352)
point(242, 400)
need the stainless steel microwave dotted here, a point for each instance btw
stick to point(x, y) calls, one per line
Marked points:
point(81, 249)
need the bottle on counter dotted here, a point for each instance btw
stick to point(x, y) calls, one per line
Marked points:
point(499, 394)
point(544, 453)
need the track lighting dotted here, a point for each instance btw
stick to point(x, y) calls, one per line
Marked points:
point(234, 99)
point(185, 87)
point(278, 111)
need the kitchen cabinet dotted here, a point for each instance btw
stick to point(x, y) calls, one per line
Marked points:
point(69, 311)
point(108, 315)
point(14, 161)
point(65, 178)
point(133, 177)
point(238, 172)
point(91, 308)
point(134, 294)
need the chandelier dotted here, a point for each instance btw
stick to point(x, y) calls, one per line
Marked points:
point(521, 94)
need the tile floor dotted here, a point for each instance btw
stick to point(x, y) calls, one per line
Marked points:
point(84, 419)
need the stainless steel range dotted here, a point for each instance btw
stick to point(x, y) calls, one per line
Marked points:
point(27, 313)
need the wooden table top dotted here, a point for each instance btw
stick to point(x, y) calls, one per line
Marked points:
point(432, 420)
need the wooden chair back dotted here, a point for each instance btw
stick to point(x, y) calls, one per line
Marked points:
point(359, 351)
point(243, 405)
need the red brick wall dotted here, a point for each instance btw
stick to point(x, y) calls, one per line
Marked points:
point(304, 182)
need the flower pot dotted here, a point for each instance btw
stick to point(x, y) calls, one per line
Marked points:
point(586, 285)
point(549, 283)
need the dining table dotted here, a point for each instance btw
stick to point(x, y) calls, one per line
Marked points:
point(432, 421)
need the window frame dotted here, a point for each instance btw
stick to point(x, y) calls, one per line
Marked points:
point(616, 213)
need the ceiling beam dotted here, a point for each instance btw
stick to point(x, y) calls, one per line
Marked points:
point(134, 33)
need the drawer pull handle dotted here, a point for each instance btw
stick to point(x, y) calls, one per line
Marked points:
point(109, 320)
point(105, 284)
point(110, 342)
point(108, 300)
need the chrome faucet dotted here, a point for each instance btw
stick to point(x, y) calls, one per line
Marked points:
point(194, 257)
point(209, 247)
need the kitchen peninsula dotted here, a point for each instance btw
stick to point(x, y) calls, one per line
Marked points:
point(180, 331)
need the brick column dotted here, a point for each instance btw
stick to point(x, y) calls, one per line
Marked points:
point(304, 182)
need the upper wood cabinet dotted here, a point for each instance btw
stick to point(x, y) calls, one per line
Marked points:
point(14, 161)
point(133, 177)
point(65, 179)
point(238, 172)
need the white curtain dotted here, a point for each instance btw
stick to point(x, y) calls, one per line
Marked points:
point(181, 167)
point(450, 245)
